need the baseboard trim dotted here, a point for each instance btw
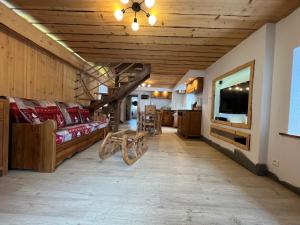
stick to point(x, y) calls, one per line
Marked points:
point(285, 184)
point(240, 158)
point(257, 169)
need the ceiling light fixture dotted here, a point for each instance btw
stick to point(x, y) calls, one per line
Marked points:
point(137, 7)
point(124, 1)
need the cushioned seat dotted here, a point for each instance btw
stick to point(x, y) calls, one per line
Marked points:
point(71, 124)
point(71, 132)
point(72, 120)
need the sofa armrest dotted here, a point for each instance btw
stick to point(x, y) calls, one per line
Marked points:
point(34, 146)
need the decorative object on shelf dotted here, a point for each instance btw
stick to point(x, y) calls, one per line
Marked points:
point(136, 7)
point(181, 92)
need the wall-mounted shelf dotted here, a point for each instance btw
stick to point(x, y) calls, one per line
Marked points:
point(234, 137)
point(161, 95)
point(195, 86)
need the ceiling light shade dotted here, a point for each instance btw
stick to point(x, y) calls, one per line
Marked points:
point(143, 85)
point(152, 20)
point(149, 85)
point(119, 14)
point(149, 3)
point(124, 1)
point(135, 25)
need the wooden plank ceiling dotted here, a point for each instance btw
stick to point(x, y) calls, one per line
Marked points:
point(189, 34)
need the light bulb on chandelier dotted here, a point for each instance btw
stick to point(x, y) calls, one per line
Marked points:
point(149, 3)
point(151, 19)
point(119, 14)
point(135, 25)
point(136, 7)
point(124, 1)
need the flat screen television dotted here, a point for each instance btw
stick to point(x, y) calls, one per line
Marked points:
point(233, 102)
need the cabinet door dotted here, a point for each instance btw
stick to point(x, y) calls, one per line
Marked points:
point(179, 125)
point(185, 122)
point(195, 124)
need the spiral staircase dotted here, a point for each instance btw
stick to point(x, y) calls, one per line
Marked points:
point(120, 79)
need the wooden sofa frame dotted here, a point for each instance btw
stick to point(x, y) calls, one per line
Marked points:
point(33, 146)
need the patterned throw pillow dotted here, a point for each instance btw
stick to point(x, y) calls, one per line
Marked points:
point(16, 114)
point(75, 115)
point(30, 116)
point(22, 111)
point(63, 109)
point(51, 113)
point(85, 116)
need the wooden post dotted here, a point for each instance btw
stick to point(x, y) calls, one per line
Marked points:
point(116, 109)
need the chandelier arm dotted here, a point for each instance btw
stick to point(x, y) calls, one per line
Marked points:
point(147, 13)
point(142, 2)
point(124, 10)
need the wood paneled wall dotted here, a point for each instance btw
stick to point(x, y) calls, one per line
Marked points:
point(30, 72)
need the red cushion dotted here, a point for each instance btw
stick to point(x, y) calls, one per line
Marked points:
point(16, 114)
point(51, 113)
point(30, 115)
point(75, 115)
point(85, 116)
point(71, 132)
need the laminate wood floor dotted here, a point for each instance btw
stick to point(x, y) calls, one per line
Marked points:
point(176, 182)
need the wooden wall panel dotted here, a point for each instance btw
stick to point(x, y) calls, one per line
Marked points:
point(29, 72)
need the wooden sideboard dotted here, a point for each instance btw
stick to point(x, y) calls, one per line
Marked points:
point(4, 133)
point(167, 118)
point(189, 123)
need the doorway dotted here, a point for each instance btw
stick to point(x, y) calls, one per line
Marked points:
point(134, 106)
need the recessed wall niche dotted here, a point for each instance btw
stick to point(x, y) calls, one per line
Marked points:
point(232, 97)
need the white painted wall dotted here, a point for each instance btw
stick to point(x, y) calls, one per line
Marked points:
point(151, 101)
point(256, 47)
point(190, 74)
point(185, 101)
point(284, 149)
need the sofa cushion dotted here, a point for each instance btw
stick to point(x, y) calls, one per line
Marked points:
point(51, 113)
point(29, 115)
point(23, 111)
point(71, 132)
point(85, 116)
point(75, 115)
point(15, 113)
point(63, 109)
point(45, 103)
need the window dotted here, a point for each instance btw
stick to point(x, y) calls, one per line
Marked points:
point(103, 89)
point(294, 116)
